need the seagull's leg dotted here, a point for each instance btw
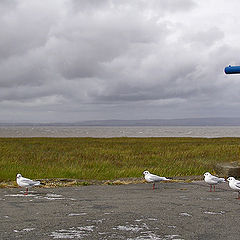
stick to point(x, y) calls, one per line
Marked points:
point(26, 191)
point(238, 195)
point(153, 186)
point(214, 187)
point(210, 188)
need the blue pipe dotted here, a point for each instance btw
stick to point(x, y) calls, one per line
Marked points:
point(232, 69)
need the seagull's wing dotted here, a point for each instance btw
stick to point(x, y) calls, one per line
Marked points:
point(156, 178)
point(213, 178)
point(216, 179)
point(29, 182)
point(237, 183)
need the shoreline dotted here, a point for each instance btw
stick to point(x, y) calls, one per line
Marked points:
point(66, 182)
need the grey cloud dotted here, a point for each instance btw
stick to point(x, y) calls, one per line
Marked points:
point(207, 37)
point(174, 6)
point(7, 6)
point(26, 27)
point(87, 5)
point(99, 42)
point(105, 58)
point(151, 5)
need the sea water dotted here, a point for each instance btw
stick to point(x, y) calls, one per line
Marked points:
point(109, 132)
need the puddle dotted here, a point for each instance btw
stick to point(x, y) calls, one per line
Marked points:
point(97, 221)
point(102, 233)
point(152, 236)
point(175, 237)
point(211, 199)
point(184, 197)
point(185, 214)
point(214, 213)
point(132, 228)
point(86, 228)
point(48, 196)
point(68, 234)
point(138, 220)
point(19, 195)
point(152, 219)
point(76, 214)
point(172, 226)
point(51, 196)
point(24, 230)
point(78, 232)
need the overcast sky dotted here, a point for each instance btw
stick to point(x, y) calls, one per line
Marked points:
point(74, 60)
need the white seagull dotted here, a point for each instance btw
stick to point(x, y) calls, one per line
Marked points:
point(234, 184)
point(212, 180)
point(27, 183)
point(153, 178)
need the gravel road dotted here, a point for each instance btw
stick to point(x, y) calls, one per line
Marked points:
point(175, 210)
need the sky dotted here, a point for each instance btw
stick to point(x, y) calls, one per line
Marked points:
point(77, 60)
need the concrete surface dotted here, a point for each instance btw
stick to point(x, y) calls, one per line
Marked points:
point(135, 211)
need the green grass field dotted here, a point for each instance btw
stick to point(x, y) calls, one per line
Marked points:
point(112, 158)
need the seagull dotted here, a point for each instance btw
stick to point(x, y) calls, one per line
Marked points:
point(212, 180)
point(153, 178)
point(234, 184)
point(27, 183)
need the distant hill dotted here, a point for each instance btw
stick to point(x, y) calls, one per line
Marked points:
point(165, 122)
point(143, 122)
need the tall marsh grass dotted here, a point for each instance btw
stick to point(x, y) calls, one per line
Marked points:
point(112, 158)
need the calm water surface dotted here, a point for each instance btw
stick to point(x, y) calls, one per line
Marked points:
point(108, 132)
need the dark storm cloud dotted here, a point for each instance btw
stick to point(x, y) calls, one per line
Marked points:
point(103, 58)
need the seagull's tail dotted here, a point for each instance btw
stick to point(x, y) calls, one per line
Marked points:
point(222, 180)
point(37, 183)
point(167, 179)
